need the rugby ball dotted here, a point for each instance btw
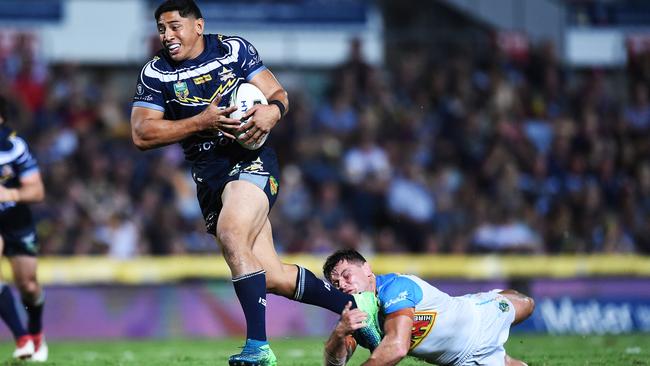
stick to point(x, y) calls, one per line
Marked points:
point(244, 98)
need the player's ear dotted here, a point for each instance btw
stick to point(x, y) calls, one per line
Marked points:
point(366, 269)
point(199, 25)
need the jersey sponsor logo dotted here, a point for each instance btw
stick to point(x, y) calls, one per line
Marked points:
point(143, 98)
point(400, 297)
point(422, 323)
point(139, 89)
point(202, 79)
point(180, 89)
point(253, 61)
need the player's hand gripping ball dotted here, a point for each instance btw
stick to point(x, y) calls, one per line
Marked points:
point(244, 98)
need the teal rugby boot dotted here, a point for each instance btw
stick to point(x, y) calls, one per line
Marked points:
point(254, 356)
point(370, 335)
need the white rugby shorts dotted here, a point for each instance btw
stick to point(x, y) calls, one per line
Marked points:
point(496, 315)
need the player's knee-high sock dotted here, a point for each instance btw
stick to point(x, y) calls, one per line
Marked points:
point(35, 313)
point(311, 290)
point(251, 291)
point(8, 312)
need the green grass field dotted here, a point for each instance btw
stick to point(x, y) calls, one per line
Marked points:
point(625, 350)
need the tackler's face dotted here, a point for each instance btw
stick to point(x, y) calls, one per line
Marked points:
point(352, 278)
point(181, 37)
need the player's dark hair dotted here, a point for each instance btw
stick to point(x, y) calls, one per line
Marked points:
point(185, 8)
point(348, 255)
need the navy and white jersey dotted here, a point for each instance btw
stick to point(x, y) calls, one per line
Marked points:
point(184, 89)
point(16, 162)
point(445, 328)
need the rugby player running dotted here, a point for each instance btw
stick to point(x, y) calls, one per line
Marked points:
point(20, 185)
point(182, 96)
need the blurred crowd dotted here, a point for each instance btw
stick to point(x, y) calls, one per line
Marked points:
point(458, 153)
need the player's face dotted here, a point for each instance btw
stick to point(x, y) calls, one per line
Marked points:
point(181, 37)
point(353, 278)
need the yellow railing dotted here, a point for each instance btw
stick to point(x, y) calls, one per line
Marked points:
point(82, 270)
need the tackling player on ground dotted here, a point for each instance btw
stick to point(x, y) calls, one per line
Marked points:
point(182, 96)
point(421, 321)
point(20, 184)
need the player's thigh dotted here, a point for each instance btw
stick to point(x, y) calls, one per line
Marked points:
point(245, 210)
point(523, 304)
point(280, 277)
point(24, 268)
point(19, 240)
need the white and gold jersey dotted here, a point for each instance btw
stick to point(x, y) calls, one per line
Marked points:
point(446, 330)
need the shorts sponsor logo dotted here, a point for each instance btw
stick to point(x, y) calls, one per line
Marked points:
point(422, 324)
point(273, 185)
point(29, 241)
point(504, 306)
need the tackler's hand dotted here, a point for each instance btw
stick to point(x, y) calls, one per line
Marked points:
point(351, 320)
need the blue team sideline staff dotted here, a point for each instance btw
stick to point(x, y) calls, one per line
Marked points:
point(20, 184)
point(182, 96)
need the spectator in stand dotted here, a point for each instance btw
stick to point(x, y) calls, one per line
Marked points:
point(556, 148)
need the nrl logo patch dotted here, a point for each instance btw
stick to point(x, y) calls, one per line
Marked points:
point(504, 306)
point(180, 89)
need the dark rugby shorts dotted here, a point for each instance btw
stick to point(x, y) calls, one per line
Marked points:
point(259, 167)
point(18, 232)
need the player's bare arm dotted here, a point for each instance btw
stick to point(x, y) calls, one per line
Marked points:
point(31, 190)
point(397, 339)
point(265, 117)
point(149, 129)
point(341, 345)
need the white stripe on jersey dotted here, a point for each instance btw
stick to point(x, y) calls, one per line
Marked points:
point(144, 82)
point(187, 73)
point(19, 147)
